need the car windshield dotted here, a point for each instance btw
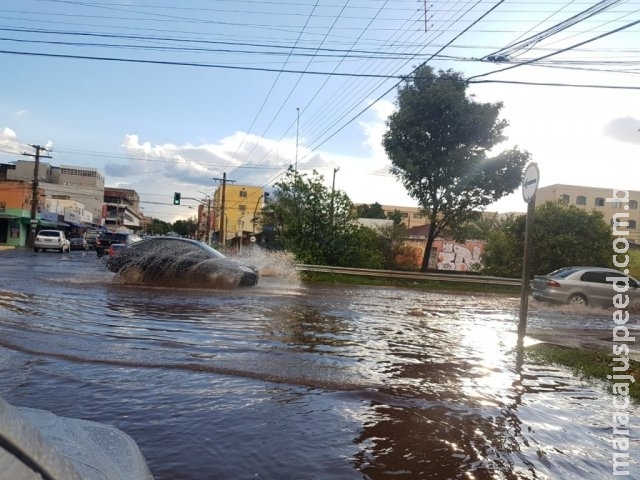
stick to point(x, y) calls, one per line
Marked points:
point(49, 233)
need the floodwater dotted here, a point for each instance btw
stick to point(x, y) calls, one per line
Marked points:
point(294, 381)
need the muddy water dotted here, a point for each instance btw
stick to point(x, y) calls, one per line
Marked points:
point(295, 381)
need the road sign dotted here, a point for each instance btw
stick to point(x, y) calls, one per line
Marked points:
point(530, 182)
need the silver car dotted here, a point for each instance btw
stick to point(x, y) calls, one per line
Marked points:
point(584, 286)
point(51, 240)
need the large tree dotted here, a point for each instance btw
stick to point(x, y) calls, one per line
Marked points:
point(438, 141)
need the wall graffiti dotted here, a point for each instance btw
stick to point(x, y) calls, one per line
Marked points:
point(460, 257)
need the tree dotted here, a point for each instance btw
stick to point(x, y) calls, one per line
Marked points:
point(562, 235)
point(438, 139)
point(373, 210)
point(316, 224)
point(157, 227)
point(479, 228)
point(186, 228)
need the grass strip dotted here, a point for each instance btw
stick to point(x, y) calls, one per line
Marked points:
point(452, 286)
point(587, 364)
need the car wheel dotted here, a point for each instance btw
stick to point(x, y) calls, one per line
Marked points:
point(578, 299)
point(35, 249)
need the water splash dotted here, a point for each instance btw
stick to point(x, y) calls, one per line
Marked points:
point(279, 265)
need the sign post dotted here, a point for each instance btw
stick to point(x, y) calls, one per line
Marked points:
point(529, 188)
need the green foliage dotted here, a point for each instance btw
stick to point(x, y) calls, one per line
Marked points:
point(186, 228)
point(390, 243)
point(478, 228)
point(634, 262)
point(396, 216)
point(318, 225)
point(562, 235)
point(158, 227)
point(438, 140)
point(373, 210)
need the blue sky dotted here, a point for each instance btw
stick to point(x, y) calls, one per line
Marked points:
point(166, 96)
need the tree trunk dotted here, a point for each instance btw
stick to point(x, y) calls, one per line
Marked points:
point(427, 252)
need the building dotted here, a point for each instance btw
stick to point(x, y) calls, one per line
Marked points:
point(411, 216)
point(80, 184)
point(121, 209)
point(235, 208)
point(599, 200)
point(68, 198)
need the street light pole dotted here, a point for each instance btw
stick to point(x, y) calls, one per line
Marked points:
point(255, 210)
point(333, 187)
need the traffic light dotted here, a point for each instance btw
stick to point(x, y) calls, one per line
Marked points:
point(176, 198)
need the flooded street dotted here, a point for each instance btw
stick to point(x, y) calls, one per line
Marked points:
point(299, 381)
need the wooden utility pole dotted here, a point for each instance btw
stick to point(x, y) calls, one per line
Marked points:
point(34, 192)
point(223, 233)
point(208, 231)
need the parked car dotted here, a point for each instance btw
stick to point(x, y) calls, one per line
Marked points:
point(79, 243)
point(114, 247)
point(182, 262)
point(583, 286)
point(51, 240)
point(91, 236)
point(107, 238)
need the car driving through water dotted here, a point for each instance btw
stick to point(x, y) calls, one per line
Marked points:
point(182, 262)
point(584, 286)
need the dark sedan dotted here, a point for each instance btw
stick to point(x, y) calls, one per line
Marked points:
point(79, 243)
point(172, 261)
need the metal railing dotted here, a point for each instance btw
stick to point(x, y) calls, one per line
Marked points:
point(443, 277)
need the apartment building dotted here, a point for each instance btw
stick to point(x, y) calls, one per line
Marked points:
point(237, 216)
point(597, 199)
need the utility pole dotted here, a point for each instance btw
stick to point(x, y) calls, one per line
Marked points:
point(208, 234)
point(34, 191)
point(297, 134)
point(223, 233)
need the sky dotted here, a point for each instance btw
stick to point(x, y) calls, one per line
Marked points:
point(167, 97)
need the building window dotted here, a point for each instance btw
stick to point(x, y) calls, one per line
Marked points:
point(242, 209)
point(633, 204)
point(581, 200)
point(616, 204)
point(564, 198)
point(632, 224)
point(243, 193)
point(599, 202)
point(417, 215)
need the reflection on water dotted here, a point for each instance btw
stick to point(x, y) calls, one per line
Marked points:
point(304, 381)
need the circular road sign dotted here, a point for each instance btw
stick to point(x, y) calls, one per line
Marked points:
point(530, 182)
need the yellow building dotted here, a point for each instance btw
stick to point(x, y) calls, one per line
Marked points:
point(237, 215)
point(411, 216)
point(624, 204)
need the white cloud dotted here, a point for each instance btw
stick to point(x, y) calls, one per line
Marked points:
point(624, 129)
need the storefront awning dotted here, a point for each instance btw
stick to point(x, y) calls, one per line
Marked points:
point(47, 223)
